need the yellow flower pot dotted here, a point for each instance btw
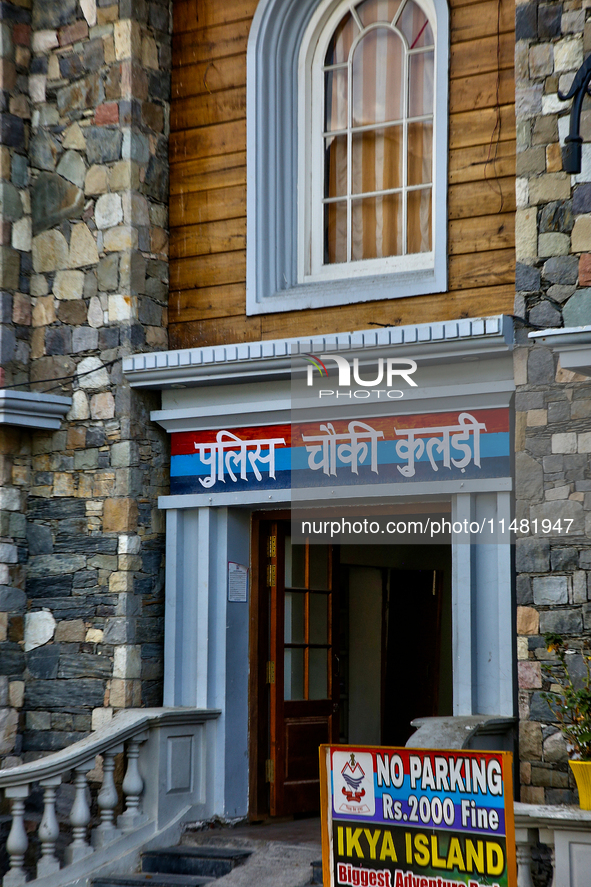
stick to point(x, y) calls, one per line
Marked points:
point(582, 773)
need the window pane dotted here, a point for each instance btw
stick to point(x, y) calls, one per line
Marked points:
point(335, 247)
point(343, 37)
point(318, 675)
point(318, 555)
point(336, 92)
point(415, 26)
point(293, 678)
point(295, 559)
point(377, 227)
point(318, 619)
point(378, 83)
point(294, 618)
point(335, 166)
point(377, 160)
point(371, 11)
point(420, 153)
point(420, 87)
point(419, 221)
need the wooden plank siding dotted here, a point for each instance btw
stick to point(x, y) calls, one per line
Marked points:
point(208, 180)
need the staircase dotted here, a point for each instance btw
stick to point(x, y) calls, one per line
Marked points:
point(168, 781)
point(179, 867)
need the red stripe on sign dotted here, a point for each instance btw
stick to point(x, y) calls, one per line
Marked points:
point(182, 443)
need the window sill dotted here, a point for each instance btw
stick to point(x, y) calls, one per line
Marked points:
point(350, 290)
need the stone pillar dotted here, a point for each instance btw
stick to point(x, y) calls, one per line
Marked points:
point(553, 406)
point(14, 476)
point(84, 280)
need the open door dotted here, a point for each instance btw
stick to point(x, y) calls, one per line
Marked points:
point(411, 682)
point(302, 669)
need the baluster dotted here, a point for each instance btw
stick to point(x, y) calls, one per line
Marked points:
point(524, 839)
point(133, 786)
point(17, 842)
point(49, 829)
point(107, 801)
point(79, 816)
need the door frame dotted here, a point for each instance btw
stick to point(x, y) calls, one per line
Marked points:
point(259, 697)
point(261, 651)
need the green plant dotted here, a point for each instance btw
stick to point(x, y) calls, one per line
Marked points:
point(571, 703)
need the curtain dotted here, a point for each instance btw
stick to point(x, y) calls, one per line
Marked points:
point(377, 104)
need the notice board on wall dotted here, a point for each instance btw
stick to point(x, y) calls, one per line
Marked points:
point(403, 817)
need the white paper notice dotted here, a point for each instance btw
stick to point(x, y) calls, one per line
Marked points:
point(237, 582)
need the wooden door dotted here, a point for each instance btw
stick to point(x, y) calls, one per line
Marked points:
point(303, 680)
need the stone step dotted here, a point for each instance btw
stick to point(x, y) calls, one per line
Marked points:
point(211, 861)
point(152, 879)
point(316, 871)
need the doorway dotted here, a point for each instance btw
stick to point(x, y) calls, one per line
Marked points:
point(348, 644)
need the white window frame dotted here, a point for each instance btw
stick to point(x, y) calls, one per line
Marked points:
point(311, 266)
point(283, 39)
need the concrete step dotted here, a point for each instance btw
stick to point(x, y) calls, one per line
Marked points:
point(316, 871)
point(209, 861)
point(152, 879)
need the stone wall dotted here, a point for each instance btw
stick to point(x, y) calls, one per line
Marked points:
point(85, 274)
point(553, 406)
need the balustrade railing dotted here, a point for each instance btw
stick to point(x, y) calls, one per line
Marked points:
point(565, 832)
point(127, 734)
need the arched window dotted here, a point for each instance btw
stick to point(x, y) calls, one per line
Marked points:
point(347, 182)
point(377, 134)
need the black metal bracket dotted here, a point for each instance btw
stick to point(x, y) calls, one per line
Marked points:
point(571, 153)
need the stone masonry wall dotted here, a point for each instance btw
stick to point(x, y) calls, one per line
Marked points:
point(91, 235)
point(553, 406)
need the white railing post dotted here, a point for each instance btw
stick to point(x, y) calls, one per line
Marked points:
point(107, 799)
point(49, 829)
point(145, 777)
point(79, 816)
point(133, 786)
point(525, 838)
point(17, 842)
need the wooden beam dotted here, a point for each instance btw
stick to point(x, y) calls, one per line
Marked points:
point(484, 127)
point(479, 20)
point(479, 56)
point(223, 236)
point(207, 206)
point(196, 334)
point(207, 302)
point(481, 198)
point(480, 91)
point(210, 173)
point(482, 269)
point(482, 162)
point(210, 107)
point(192, 15)
point(207, 78)
point(209, 44)
point(213, 270)
point(475, 235)
point(207, 141)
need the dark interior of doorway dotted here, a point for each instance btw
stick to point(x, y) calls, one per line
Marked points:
point(395, 619)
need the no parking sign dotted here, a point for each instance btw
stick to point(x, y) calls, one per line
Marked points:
point(402, 817)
